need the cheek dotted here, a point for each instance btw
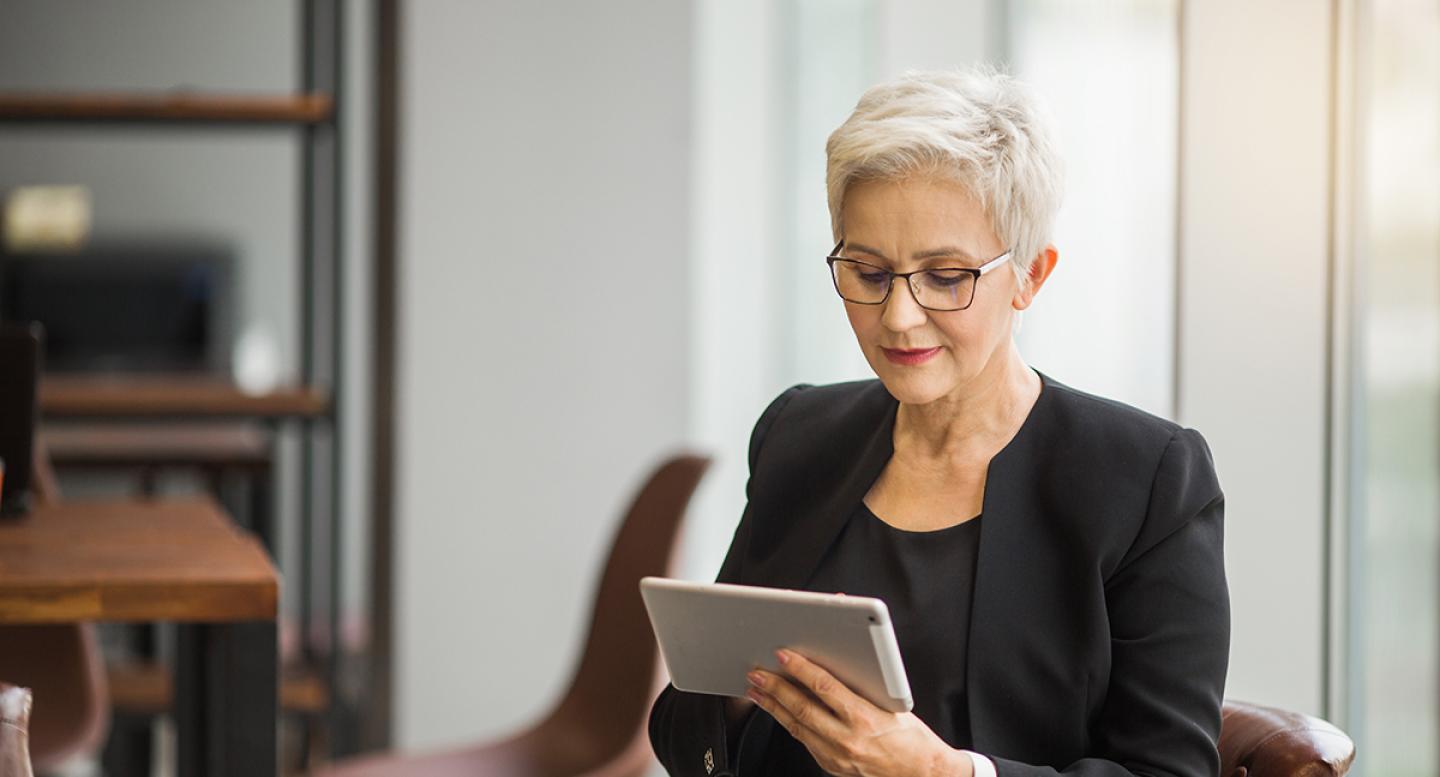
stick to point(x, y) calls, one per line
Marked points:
point(970, 330)
point(863, 318)
point(994, 329)
point(958, 330)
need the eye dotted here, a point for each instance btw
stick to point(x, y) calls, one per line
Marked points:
point(945, 279)
point(875, 277)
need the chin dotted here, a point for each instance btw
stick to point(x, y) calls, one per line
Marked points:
point(910, 386)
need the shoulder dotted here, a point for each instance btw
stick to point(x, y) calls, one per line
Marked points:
point(1159, 469)
point(808, 415)
point(1093, 425)
point(1102, 421)
point(1086, 425)
point(834, 413)
point(834, 403)
point(815, 434)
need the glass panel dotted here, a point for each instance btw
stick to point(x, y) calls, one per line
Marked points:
point(1395, 589)
point(1116, 117)
point(830, 52)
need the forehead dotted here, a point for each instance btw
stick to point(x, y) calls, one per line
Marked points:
point(912, 214)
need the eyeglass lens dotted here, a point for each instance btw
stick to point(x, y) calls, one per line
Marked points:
point(934, 289)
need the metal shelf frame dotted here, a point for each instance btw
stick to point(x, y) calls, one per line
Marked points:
point(316, 113)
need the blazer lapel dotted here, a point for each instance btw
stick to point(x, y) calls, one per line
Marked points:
point(998, 567)
point(1012, 591)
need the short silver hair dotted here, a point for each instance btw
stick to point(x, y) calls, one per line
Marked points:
point(980, 128)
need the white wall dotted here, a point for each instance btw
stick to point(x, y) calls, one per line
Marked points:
point(1254, 226)
point(546, 150)
point(1105, 320)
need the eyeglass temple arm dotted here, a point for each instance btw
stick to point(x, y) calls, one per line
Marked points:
point(993, 263)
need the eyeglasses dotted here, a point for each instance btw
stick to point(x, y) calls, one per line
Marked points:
point(939, 288)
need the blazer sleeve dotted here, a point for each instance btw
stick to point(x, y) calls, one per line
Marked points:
point(687, 730)
point(1169, 610)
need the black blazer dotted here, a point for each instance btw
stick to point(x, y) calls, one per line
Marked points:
point(1100, 623)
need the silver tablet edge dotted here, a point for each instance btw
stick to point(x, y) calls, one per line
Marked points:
point(882, 634)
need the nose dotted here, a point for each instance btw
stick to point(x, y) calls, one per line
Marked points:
point(901, 310)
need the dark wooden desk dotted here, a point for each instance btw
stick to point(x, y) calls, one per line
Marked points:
point(173, 560)
point(171, 396)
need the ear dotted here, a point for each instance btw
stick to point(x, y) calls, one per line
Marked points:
point(1040, 269)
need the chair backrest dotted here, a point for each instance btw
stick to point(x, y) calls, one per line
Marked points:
point(14, 725)
point(609, 697)
point(20, 355)
point(1258, 741)
point(61, 662)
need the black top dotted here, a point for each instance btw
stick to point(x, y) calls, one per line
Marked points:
point(1099, 617)
point(925, 579)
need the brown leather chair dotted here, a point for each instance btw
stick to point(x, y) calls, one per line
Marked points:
point(598, 728)
point(14, 728)
point(1260, 741)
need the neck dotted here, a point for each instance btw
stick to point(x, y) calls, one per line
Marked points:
point(978, 417)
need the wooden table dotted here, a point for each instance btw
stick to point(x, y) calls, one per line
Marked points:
point(171, 560)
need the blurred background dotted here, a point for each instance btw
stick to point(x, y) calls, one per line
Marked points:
point(522, 250)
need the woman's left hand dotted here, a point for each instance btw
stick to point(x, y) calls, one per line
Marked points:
point(847, 735)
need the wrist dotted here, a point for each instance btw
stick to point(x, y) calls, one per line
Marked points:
point(953, 763)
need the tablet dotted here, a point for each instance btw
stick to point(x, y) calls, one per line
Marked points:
point(712, 634)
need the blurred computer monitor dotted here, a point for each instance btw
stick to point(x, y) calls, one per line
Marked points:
point(125, 309)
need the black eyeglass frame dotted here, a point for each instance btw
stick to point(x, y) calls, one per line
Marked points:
point(974, 272)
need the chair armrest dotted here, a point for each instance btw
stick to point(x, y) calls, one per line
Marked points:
point(1258, 741)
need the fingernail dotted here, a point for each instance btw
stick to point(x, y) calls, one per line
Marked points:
point(753, 695)
point(782, 656)
point(756, 678)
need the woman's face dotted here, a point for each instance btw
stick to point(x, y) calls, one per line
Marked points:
point(922, 223)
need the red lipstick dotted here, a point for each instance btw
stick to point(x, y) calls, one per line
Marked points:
point(910, 358)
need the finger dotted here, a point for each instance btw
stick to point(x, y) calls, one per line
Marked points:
point(840, 699)
point(804, 708)
point(819, 746)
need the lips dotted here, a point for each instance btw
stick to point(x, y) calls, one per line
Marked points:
point(910, 356)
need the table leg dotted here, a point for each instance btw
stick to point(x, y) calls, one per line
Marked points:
point(227, 690)
point(262, 505)
point(128, 750)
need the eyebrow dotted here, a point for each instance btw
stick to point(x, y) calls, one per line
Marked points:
point(933, 253)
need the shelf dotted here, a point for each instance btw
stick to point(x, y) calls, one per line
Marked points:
point(165, 108)
point(174, 396)
point(109, 445)
point(146, 689)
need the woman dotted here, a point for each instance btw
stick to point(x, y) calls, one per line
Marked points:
point(1052, 560)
